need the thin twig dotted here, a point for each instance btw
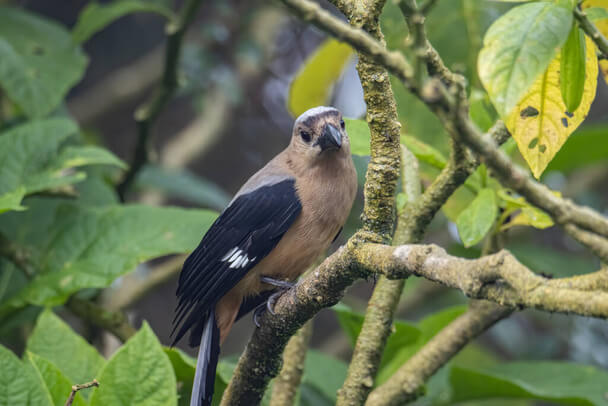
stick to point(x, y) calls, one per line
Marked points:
point(115, 322)
point(76, 388)
point(147, 113)
point(591, 30)
point(407, 383)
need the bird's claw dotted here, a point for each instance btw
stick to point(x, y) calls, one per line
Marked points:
point(269, 305)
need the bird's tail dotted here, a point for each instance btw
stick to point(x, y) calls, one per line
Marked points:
point(208, 354)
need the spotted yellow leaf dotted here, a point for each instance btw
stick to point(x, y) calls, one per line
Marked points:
point(540, 123)
point(601, 25)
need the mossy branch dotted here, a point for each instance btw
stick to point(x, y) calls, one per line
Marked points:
point(499, 278)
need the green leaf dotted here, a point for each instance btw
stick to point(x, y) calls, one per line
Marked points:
point(531, 216)
point(424, 152)
point(312, 85)
point(518, 47)
point(324, 373)
point(596, 13)
point(19, 384)
point(89, 247)
point(12, 200)
point(358, 135)
point(427, 327)
point(57, 384)
point(32, 163)
point(572, 69)
point(95, 17)
point(562, 382)
point(475, 221)
point(39, 62)
point(183, 184)
point(184, 367)
point(481, 110)
point(71, 157)
point(53, 340)
point(139, 373)
point(576, 152)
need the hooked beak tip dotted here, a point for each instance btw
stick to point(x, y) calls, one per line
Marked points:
point(331, 138)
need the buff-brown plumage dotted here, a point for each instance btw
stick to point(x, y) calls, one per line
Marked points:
point(306, 192)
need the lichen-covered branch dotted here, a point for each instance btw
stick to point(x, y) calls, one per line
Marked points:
point(285, 386)
point(147, 113)
point(451, 110)
point(260, 361)
point(379, 210)
point(499, 278)
point(407, 383)
point(591, 30)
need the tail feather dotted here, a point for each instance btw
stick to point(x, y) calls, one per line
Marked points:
point(206, 364)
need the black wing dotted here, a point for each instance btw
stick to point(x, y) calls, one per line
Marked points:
point(242, 236)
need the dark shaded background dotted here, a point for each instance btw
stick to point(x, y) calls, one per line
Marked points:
point(230, 116)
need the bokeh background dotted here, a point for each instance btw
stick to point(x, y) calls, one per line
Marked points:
point(231, 116)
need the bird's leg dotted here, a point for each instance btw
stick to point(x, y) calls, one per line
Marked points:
point(284, 285)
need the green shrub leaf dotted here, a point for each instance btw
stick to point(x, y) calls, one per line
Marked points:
point(95, 17)
point(90, 247)
point(39, 62)
point(19, 384)
point(32, 163)
point(572, 69)
point(476, 220)
point(53, 340)
point(139, 373)
point(57, 384)
point(518, 48)
point(562, 382)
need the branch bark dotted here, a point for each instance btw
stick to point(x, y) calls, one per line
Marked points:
point(406, 384)
point(76, 388)
point(147, 113)
point(499, 278)
point(286, 384)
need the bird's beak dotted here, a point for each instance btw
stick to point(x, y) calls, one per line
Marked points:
point(331, 138)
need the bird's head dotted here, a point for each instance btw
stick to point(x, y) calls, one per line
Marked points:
point(319, 134)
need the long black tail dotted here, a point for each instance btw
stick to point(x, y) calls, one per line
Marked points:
point(208, 354)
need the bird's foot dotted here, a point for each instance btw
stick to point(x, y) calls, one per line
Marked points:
point(257, 313)
point(269, 304)
point(278, 282)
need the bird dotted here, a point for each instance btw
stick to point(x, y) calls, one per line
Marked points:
point(283, 218)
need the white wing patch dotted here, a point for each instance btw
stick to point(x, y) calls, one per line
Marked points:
point(237, 258)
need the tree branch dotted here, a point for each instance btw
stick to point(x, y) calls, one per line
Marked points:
point(76, 388)
point(452, 111)
point(285, 386)
point(591, 30)
point(147, 113)
point(406, 384)
point(499, 278)
point(115, 322)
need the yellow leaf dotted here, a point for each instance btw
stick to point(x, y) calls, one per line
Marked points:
point(312, 85)
point(540, 123)
point(601, 25)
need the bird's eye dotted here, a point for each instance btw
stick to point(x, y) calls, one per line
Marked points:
point(305, 136)
point(342, 124)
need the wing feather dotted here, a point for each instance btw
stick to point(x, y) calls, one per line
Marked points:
point(240, 238)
